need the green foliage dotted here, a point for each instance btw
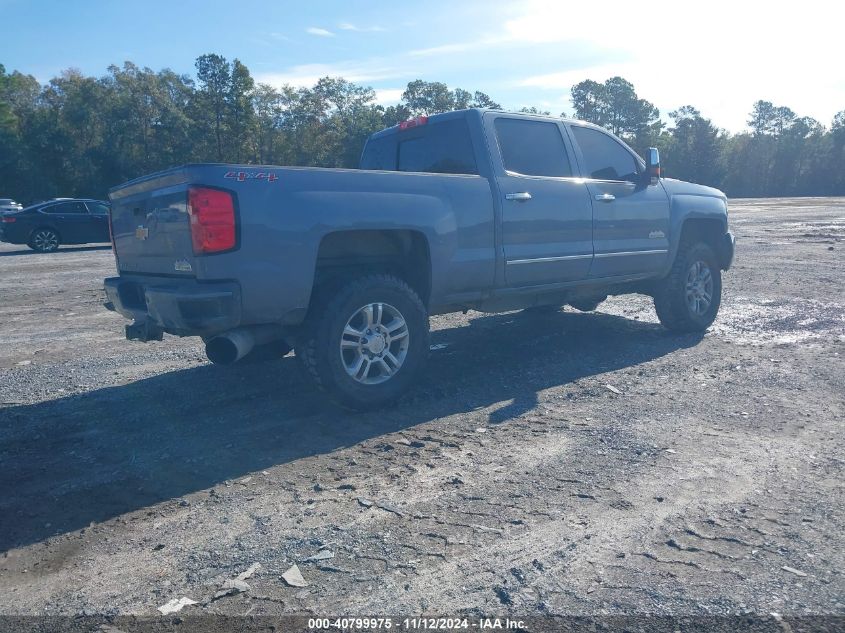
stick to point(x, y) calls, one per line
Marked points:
point(79, 136)
point(18, 96)
point(432, 97)
point(535, 110)
point(615, 105)
point(693, 147)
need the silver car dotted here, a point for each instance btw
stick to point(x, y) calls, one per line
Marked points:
point(7, 205)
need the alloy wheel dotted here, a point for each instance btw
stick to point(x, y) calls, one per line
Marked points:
point(374, 343)
point(699, 288)
point(45, 240)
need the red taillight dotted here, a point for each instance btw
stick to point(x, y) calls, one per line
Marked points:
point(212, 215)
point(415, 122)
point(9, 220)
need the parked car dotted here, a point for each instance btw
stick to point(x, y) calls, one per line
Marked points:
point(7, 205)
point(45, 226)
point(476, 209)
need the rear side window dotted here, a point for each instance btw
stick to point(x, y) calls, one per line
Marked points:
point(66, 207)
point(532, 148)
point(605, 157)
point(438, 148)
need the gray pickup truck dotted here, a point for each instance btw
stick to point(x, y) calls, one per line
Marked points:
point(476, 209)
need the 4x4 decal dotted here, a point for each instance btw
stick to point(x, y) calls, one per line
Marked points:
point(240, 176)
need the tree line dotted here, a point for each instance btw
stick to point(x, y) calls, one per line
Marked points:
point(79, 135)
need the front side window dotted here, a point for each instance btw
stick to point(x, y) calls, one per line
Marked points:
point(604, 157)
point(532, 148)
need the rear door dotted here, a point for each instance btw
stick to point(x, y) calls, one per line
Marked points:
point(630, 217)
point(546, 212)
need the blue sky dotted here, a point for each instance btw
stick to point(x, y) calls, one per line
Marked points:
point(719, 56)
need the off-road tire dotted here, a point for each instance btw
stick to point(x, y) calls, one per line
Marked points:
point(670, 300)
point(318, 344)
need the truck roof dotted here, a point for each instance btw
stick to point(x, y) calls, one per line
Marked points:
point(454, 114)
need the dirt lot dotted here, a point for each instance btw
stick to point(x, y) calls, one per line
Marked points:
point(513, 480)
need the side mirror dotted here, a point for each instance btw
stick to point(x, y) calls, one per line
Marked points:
point(652, 165)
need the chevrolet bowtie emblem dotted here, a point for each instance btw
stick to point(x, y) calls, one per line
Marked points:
point(142, 232)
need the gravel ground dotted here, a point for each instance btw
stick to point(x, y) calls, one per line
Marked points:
point(546, 464)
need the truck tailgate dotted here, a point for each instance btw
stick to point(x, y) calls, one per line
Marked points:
point(151, 226)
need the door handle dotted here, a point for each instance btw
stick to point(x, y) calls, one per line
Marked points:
point(519, 196)
point(605, 197)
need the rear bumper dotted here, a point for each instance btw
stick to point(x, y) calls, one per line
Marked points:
point(726, 250)
point(176, 306)
point(17, 232)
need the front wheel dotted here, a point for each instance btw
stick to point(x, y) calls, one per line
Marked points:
point(688, 299)
point(365, 344)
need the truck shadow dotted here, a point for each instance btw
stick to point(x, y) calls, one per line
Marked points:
point(87, 458)
point(62, 249)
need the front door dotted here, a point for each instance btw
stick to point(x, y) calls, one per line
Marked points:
point(99, 222)
point(630, 216)
point(546, 212)
point(72, 220)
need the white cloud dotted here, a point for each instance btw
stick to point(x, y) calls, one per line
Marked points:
point(389, 96)
point(566, 79)
point(720, 56)
point(313, 30)
point(306, 75)
point(348, 26)
point(458, 47)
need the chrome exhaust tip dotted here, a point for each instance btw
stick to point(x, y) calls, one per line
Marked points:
point(230, 347)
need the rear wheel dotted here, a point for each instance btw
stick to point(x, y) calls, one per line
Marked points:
point(688, 298)
point(365, 343)
point(44, 240)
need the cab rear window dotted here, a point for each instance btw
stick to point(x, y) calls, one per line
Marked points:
point(438, 148)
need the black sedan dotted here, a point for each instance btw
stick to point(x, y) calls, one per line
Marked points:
point(44, 226)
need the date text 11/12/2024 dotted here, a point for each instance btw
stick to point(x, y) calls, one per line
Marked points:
point(413, 624)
